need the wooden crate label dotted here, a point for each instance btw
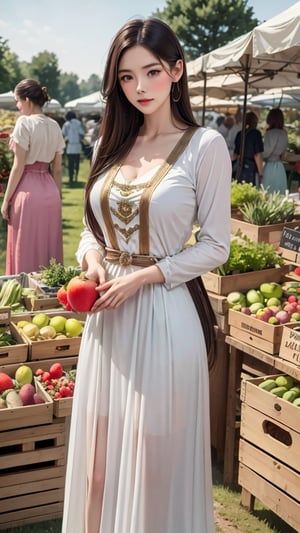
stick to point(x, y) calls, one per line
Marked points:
point(290, 239)
point(290, 345)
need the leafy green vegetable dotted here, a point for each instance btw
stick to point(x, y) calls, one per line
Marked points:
point(268, 208)
point(57, 274)
point(242, 192)
point(247, 256)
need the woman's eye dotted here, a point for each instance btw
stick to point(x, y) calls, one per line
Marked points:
point(153, 73)
point(125, 77)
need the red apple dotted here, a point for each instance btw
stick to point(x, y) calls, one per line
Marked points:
point(264, 314)
point(62, 295)
point(82, 293)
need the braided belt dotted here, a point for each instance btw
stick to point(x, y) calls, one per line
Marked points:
point(126, 259)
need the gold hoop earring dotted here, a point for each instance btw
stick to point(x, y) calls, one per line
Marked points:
point(176, 92)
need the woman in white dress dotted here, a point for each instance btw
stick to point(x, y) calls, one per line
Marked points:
point(139, 451)
point(275, 145)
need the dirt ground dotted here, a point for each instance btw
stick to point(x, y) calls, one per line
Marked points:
point(223, 525)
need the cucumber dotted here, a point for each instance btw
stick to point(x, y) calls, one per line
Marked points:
point(279, 391)
point(268, 384)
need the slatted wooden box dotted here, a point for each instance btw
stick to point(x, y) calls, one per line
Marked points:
point(241, 282)
point(270, 233)
point(32, 470)
point(17, 353)
point(269, 452)
point(52, 348)
point(28, 415)
point(251, 330)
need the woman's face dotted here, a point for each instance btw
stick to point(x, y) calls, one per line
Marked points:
point(145, 81)
point(23, 105)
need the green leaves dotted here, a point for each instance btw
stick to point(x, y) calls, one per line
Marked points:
point(247, 256)
point(267, 208)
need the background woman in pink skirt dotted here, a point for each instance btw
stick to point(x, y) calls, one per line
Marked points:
point(32, 203)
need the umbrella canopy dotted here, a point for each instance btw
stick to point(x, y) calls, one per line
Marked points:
point(276, 99)
point(7, 100)
point(197, 103)
point(270, 50)
point(85, 104)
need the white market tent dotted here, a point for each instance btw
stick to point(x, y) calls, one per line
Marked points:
point(90, 103)
point(7, 101)
point(266, 54)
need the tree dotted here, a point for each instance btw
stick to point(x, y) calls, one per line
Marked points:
point(44, 68)
point(6, 84)
point(203, 25)
point(12, 65)
point(68, 87)
point(92, 85)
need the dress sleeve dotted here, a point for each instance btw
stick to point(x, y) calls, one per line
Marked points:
point(212, 170)
point(21, 134)
point(87, 242)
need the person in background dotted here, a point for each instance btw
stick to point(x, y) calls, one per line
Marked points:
point(252, 164)
point(139, 449)
point(32, 201)
point(275, 145)
point(233, 130)
point(73, 133)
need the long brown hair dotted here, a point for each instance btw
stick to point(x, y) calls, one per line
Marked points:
point(121, 120)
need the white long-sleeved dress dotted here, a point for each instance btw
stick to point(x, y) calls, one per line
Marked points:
point(139, 449)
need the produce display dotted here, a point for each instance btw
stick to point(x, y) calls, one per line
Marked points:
point(79, 294)
point(20, 390)
point(56, 274)
point(57, 382)
point(273, 302)
point(284, 387)
point(45, 327)
point(11, 295)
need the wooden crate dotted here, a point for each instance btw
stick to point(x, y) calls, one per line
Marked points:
point(63, 406)
point(41, 300)
point(32, 468)
point(220, 307)
point(270, 233)
point(28, 415)
point(52, 348)
point(262, 335)
point(242, 282)
point(269, 451)
point(17, 353)
point(290, 344)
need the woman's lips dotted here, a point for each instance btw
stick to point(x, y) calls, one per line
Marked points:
point(145, 101)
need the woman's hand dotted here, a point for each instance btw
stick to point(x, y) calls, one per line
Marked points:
point(5, 210)
point(115, 292)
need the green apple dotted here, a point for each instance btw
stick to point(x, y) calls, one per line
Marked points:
point(255, 307)
point(23, 375)
point(235, 298)
point(273, 320)
point(253, 296)
point(295, 316)
point(40, 320)
point(58, 323)
point(273, 301)
point(271, 290)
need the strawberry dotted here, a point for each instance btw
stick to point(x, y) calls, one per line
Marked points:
point(56, 371)
point(81, 293)
point(292, 298)
point(46, 377)
point(297, 271)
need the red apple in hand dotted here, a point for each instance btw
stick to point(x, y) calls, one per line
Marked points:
point(81, 293)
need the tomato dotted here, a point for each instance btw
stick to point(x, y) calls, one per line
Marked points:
point(62, 296)
point(297, 271)
point(81, 293)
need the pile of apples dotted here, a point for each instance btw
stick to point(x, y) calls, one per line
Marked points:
point(57, 382)
point(268, 303)
point(44, 327)
point(20, 390)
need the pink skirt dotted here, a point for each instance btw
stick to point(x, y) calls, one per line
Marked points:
point(34, 232)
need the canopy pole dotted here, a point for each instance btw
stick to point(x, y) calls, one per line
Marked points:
point(243, 131)
point(204, 98)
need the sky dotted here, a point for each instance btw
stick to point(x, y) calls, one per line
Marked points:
point(79, 32)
